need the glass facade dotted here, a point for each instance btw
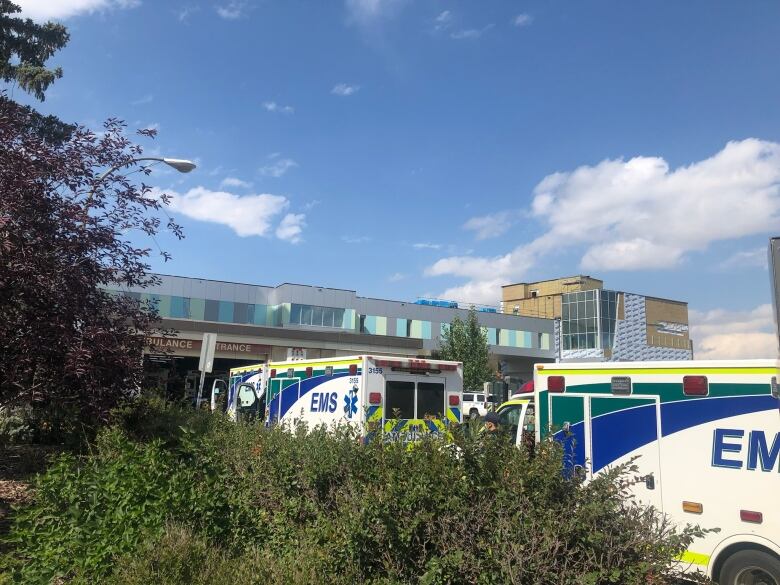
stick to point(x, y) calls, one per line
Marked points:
point(588, 319)
point(608, 316)
point(316, 316)
point(198, 309)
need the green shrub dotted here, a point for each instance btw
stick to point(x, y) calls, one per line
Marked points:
point(311, 506)
point(15, 426)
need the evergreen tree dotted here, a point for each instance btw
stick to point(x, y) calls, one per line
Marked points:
point(24, 49)
point(466, 341)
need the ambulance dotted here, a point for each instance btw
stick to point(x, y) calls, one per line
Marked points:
point(705, 436)
point(395, 397)
point(249, 376)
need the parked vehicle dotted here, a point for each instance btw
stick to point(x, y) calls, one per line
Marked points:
point(477, 404)
point(397, 398)
point(705, 436)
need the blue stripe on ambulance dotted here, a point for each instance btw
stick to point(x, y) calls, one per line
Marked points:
point(618, 433)
point(573, 443)
point(293, 392)
point(678, 416)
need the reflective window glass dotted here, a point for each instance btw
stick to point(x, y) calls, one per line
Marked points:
point(430, 399)
point(305, 314)
point(399, 399)
point(316, 316)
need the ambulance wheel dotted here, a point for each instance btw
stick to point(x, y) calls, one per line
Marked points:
point(473, 414)
point(750, 567)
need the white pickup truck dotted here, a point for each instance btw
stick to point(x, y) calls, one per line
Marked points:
point(476, 404)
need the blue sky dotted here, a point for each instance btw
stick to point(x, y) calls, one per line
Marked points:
point(406, 148)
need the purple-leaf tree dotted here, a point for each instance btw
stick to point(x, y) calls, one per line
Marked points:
point(67, 344)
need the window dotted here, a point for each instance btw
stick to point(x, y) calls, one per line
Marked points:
point(240, 311)
point(399, 399)
point(468, 398)
point(212, 310)
point(480, 398)
point(316, 316)
point(510, 416)
point(295, 314)
point(430, 399)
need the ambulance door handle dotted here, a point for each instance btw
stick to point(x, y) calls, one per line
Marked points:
point(650, 481)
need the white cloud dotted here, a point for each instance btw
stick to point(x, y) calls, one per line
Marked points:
point(427, 246)
point(355, 239)
point(491, 225)
point(247, 215)
point(720, 334)
point(522, 20)
point(369, 12)
point(234, 182)
point(755, 258)
point(291, 227)
point(634, 254)
point(442, 21)
point(471, 33)
point(232, 10)
point(278, 108)
point(184, 13)
point(278, 166)
point(639, 213)
point(344, 89)
point(397, 277)
point(146, 99)
point(61, 9)
point(486, 292)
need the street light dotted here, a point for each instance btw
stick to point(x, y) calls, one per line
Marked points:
point(180, 164)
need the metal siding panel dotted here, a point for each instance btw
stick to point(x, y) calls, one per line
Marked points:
point(198, 309)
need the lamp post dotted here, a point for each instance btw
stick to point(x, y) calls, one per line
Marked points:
point(180, 164)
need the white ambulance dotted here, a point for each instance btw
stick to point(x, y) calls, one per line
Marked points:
point(707, 438)
point(399, 398)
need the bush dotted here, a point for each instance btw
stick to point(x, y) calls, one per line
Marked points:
point(251, 505)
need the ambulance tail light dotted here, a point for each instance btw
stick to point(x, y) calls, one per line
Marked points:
point(353, 369)
point(751, 516)
point(454, 400)
point(556, 384)
point(309, 371)
point(695, 386)
point(273, 373)
point(375, 398)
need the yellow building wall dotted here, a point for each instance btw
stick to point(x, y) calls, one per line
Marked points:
point(664, 311)
point(547, 302)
